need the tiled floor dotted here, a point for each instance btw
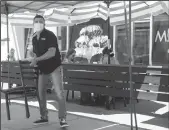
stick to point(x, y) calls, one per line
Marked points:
point(87, 117)
point(19, 122)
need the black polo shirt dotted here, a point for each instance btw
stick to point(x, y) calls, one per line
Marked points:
point(46, 40)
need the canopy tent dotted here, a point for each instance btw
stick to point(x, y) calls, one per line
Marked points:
point(115, 12)
point(34, 6)
point(22, 12)
point(26, 20)
point(140, 9)
point(64, 13)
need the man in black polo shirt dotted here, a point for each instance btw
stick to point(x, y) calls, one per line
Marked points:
point(48, 59)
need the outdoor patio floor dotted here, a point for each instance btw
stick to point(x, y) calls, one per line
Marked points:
point(86, 117)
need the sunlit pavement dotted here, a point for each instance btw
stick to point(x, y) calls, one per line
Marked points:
point(87, 117)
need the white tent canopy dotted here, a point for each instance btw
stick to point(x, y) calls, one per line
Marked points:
point(26, 20)
point(34, 6)
point(18, 15)
point(139, 10)
point(64, 13)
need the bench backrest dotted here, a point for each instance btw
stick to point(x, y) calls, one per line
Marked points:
point(29, 74)
point(94, 78)
point(10, 72)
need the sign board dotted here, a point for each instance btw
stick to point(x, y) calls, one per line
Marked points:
point(160, 40)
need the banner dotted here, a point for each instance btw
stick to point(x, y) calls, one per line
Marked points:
point(160, 48)
point(90, 38)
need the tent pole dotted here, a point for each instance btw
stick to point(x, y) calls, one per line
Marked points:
point(127, 39)
point(114, 39)
point(67, 41)
point(108, 27)
point(130, 68)
point(7, 30)
point(151, 40)
point(6, 7)
point(132, 62)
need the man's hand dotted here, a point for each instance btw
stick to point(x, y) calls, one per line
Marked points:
point(33, 62)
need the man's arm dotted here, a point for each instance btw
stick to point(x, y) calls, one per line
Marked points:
point(30, 54)
point(49, 54)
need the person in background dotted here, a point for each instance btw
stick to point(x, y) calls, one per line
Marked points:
point(104, 60)
point(47, 58)
point(106, 53)
point(70, 56)
point(12, 55)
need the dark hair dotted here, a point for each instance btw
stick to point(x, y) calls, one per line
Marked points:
point(70, 52)
point(107, 51)
point(38, 16)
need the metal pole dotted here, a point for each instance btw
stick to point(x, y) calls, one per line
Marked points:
point(130, 61)
point(128, 39)
point(130, 69)
point(108, 26)
point(7, 29)
point(6, 9)
point(67, 40)
point(151, 40)
point(114, 39)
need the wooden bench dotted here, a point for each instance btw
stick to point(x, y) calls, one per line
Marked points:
point(149, 83)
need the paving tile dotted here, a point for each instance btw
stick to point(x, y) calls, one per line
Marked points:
point(2, 128)
point(80, 124)
point(19, 121)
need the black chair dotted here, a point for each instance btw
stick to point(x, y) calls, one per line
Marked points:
point(19, 73)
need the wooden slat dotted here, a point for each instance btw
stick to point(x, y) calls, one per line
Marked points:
point(98, 90)
point(15, 63)
point(112, 68)
point(27, 71)
point(145, 87)
point(147, 68)
point(30, 82)
point(11, 75)
point(11, 80)
point(141, 78)
point(152, 96)
point(117, 85)
point(83, 67)
point(13, 69)
point(29, 75)
point(87, 75)
point(27, 67)
point(87, 82)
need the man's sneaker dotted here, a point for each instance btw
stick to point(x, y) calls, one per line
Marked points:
point(63, 123)
point(41, 121)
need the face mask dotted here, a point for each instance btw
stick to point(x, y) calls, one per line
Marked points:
point(38, 27)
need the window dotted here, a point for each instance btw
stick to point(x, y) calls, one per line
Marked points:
point(141, 43)
point(121, 45)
